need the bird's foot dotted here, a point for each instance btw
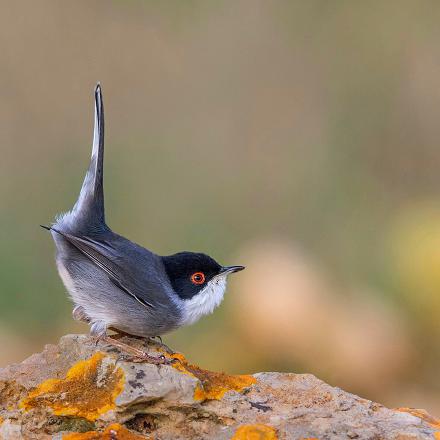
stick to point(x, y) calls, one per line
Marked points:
point(133, 354)
point(155, 340)
point(145, 357)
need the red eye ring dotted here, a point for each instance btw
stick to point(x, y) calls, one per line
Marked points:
point(198, 278)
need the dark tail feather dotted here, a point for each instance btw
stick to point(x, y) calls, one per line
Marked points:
point(89, 207)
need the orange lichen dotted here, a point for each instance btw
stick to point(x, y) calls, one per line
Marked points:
point(437, 435)
point(1, 420)
point(422, 414)
point(89, 389)
point(112, 432)
point(255, 432)
point(213, 385)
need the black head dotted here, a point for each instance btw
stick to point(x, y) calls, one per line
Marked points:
point(190, 272)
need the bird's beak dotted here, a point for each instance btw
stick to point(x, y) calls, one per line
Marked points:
point(226, 270)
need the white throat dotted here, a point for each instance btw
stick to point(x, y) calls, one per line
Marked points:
point(205, 301)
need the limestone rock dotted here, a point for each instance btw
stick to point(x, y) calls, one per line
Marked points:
point(79, 390)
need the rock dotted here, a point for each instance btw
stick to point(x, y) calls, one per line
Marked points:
point(78, 390)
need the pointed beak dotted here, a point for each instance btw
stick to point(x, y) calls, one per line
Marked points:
point(226, 270)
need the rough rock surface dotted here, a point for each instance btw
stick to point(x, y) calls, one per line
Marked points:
point(77, 390)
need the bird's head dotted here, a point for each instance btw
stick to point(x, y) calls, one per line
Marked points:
point(198, 280)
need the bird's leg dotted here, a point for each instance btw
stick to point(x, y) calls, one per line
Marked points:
point(121, 334)
point(98, 330)
point(135, 354)
point(152, 339)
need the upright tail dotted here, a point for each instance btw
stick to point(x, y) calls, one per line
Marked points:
point(88, 212)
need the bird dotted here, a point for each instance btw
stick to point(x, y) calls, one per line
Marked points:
point(116, 284)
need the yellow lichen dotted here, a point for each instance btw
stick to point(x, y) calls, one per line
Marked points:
point(255, 432)
point(422, 414)
point(1, 420)
point(112, 432)
point(199, 393)
point(89, 389)
point(213, 385)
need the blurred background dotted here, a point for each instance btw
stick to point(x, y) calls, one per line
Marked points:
point(298, 138)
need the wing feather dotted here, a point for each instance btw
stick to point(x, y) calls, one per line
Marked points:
point(103, 256)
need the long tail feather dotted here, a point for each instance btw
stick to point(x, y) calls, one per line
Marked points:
point(89, 208)
point(97, 159)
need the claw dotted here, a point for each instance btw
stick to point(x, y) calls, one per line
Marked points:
point(157, 340)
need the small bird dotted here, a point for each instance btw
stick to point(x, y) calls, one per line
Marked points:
point(117, 284)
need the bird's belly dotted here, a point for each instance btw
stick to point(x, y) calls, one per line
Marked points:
point(65, 277)
point(90, 288)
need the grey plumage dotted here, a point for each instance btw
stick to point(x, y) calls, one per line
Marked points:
point(115, 283)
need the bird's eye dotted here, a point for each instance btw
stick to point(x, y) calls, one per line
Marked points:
point(198, 278)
